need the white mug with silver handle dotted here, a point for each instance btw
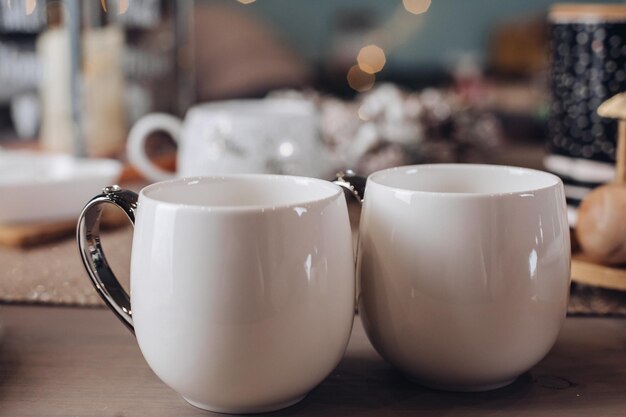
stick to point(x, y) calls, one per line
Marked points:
point(464, 270)
point(269, 136)
point(242, 286)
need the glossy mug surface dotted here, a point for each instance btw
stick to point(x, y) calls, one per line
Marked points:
point(242, 287)
point(464, 271)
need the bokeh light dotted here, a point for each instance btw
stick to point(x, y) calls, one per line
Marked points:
point(360, 80)
point(286, 149)
point(30, 6)
point(122, 6)
point(416, 6)
point(371, 59)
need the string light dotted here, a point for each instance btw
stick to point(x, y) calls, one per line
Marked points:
point(416, 6)
point(360, 80)
point(371, 59)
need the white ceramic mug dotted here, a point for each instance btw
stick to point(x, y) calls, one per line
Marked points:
point(464, 271)
point(275, 136)
point(242, 287)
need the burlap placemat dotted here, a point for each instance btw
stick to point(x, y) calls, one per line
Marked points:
point(54, 274)
point(586, 300)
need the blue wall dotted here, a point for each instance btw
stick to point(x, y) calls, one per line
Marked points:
point(449, 28)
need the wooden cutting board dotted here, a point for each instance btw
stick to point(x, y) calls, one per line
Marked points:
point(588, 272)
point(585, 271)
point(30, 234)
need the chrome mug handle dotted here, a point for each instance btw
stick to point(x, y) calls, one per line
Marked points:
point(354, 184)
point(90, 248)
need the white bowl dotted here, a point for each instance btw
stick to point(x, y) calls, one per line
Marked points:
point(42, 187)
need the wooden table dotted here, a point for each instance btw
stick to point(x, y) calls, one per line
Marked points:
point(83, 362)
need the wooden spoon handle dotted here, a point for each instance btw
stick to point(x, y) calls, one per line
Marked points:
point(620, 175)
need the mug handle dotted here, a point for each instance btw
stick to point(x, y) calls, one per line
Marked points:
point(90, 248)
point(353, 183)
point(135, 147)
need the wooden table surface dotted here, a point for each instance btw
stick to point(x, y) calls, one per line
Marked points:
point(82, 362)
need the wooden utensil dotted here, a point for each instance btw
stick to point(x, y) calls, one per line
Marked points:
point(601, 224)
point(31, 234)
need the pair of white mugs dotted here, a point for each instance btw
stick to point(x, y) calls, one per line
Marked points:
point(243, 288)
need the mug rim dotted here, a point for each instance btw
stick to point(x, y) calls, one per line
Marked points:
point(555, 181)
point(333, 189)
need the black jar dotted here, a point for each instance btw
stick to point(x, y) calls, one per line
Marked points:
point(588, 48)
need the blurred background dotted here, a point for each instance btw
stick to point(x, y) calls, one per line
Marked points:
point(318, 86)
point(141, 56)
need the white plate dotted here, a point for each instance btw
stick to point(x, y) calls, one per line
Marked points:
point(39, 187)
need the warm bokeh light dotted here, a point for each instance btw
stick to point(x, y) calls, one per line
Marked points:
point(246, 1)
point(371, 59)
point(122, 6)
point(360, 80)
point(416, 6)
point(30, 6)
